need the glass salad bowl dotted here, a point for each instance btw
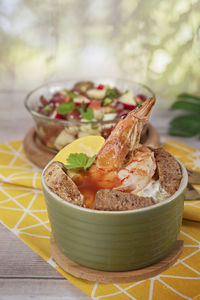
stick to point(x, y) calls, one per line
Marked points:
point(69, 109)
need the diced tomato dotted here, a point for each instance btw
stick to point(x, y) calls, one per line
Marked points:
point(95, 104)
point(59, 116)
point(141, 97)
point(100, 87)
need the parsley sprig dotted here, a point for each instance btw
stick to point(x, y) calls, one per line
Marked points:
point(79, 161)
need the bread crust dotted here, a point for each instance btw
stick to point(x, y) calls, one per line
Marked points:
point(113, 200)
point(62, 185)
point(169, 170)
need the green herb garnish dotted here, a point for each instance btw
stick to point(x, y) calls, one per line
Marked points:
point(47, 109)
point(107, 101)
point(79, 161)
point(71, 95)
point(88, 114)
point(90, 162)
point(65, 108)
point(112, 93)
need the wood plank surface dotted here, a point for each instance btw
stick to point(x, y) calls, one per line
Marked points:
point(13, 255)
point(40, 289)
point(25, 275)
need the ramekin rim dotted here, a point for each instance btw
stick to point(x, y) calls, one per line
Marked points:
point(182, 186)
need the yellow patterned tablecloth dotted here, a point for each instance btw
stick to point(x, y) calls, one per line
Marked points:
point(23, 211)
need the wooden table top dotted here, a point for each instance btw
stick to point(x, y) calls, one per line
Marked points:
point(23, 273)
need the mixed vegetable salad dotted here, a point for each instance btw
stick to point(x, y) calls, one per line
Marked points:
point(85, 102)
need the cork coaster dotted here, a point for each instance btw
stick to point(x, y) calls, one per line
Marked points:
point(114, 277)
point(40, 155)
point(35, 151)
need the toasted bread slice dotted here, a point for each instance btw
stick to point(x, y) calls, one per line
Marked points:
point(107, 199)
point(61, 184)
point(169, 171)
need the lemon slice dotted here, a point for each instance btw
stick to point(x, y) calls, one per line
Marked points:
point(90, 145)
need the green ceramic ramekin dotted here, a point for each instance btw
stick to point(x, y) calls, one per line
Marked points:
point(116, 241)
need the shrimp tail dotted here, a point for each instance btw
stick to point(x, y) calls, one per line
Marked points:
point(125, 137)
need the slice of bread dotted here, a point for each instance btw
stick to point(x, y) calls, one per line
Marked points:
point(169, 171)
point(61, 184)
point(113, 200)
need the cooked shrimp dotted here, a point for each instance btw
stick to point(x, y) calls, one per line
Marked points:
point(139, 171)
point(123, 163)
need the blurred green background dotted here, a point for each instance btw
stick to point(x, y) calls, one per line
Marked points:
point(154, 42)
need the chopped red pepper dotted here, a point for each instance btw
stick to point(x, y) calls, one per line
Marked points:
point(59, 116)
point(100, 87)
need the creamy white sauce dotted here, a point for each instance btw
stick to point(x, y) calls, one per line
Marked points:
point(154, 190)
